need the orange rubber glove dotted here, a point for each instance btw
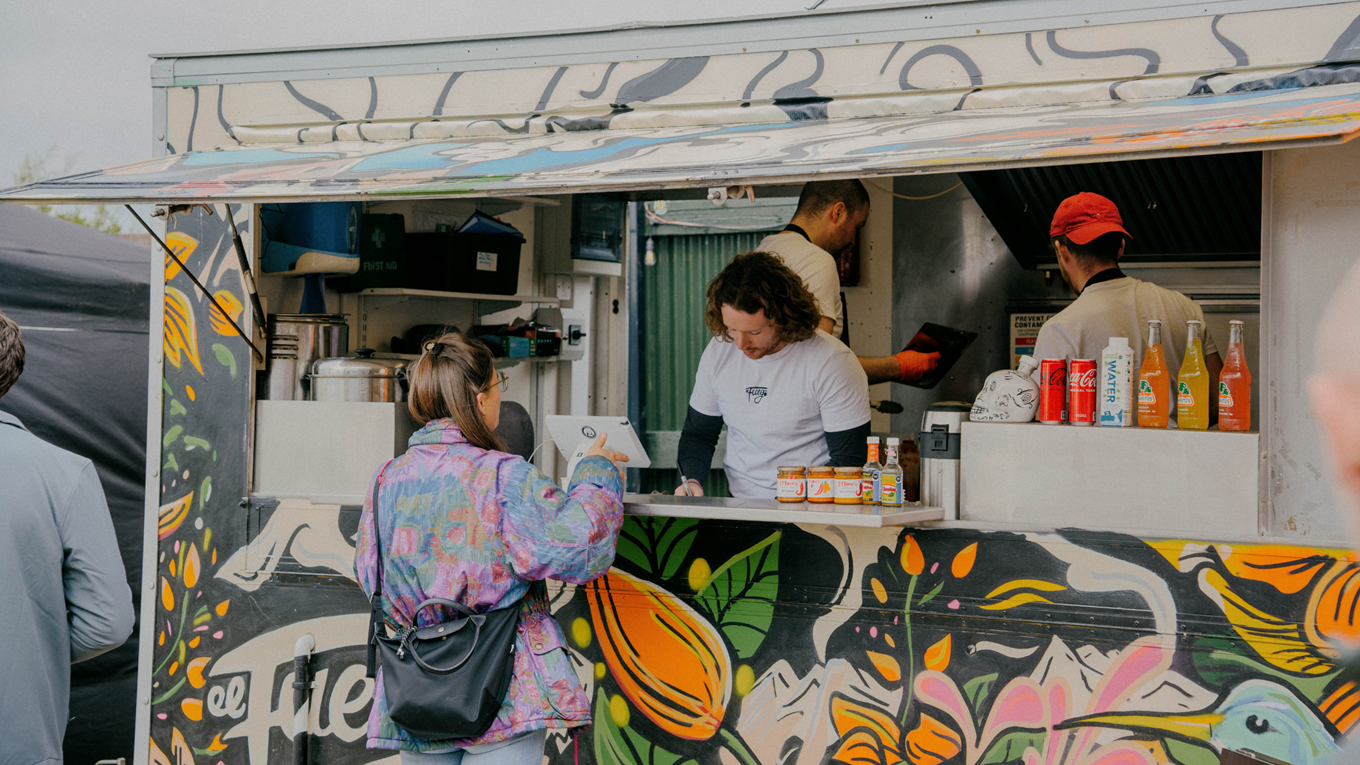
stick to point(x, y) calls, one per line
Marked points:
point(916, 365)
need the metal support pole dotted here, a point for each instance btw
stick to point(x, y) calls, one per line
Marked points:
point(302, 686)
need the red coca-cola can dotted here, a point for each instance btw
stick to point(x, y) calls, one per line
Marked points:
point(1053, 391)
point(1081, 392)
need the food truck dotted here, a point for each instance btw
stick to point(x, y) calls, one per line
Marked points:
point(1084, 595)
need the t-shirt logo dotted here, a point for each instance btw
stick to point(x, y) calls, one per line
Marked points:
point(756, 393)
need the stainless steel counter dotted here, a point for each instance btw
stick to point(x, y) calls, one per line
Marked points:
point(774, 511)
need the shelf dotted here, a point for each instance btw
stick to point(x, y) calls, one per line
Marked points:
point(436, 295)
point(774, 511)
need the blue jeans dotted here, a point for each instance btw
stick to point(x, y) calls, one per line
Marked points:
point(526, 749)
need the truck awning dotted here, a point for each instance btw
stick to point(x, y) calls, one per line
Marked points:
point(673, 157)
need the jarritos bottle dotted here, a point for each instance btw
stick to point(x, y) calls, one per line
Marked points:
point(1154, 382)
point(1234, 384)
point(890, 482)
point(871, 475)
point(1192, 385)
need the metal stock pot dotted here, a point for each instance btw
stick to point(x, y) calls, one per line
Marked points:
point(295, 341)
point(360, 377)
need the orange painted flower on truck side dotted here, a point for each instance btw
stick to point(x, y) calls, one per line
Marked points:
point(667, 659)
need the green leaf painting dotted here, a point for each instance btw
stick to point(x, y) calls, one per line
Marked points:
point(617, 744)
point(657, 546)
point(1011, 747)
point(739, 595)
point(978, 688)
point(1184, 753)
point(225, 357)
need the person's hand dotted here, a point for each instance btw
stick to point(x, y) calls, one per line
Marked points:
point(916, 365)
point(597, 450)
point(694, 488)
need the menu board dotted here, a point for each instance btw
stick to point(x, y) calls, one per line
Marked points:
point(1024, 334)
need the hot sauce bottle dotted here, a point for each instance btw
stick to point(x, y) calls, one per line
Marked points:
point(871, 474)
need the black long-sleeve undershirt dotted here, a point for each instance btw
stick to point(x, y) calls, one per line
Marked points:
point(699, 439)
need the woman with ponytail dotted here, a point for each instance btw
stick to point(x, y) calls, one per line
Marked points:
point(461, 519)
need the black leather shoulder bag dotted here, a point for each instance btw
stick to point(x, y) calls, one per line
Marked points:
point(447, 680)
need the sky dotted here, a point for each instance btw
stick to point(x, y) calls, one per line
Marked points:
point(75, 76)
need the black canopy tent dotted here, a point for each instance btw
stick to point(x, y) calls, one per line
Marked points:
point(82, 299)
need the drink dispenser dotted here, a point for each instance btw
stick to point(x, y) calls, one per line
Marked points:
point(939, 441)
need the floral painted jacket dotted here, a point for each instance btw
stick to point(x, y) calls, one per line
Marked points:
point(478, 527)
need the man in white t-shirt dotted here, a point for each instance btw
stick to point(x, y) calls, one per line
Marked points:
point(829, 217)
point(1088, 237)
point(789, 393)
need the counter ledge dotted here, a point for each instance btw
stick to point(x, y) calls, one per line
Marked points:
point(774, 511)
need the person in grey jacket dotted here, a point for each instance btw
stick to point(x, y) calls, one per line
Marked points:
point(64, 596)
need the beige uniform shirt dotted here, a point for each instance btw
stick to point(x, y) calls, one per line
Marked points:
point(817, 268)
point(1122, 308)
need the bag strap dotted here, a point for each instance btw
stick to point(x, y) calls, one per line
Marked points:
point(376, 620)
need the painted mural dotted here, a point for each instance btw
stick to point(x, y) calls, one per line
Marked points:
point(677, 156)
point(880, 108)
point(906, 61)
point(750, 643)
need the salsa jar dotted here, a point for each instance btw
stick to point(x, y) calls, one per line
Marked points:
point(792, 484)
point(849, 487)
point(821, 484)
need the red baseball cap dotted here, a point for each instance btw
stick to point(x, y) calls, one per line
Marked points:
point(1085, 216)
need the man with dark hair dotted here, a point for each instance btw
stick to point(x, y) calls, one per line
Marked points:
point(1088, 236)
point(65, 596)
point(789, 393)
point(829, 217)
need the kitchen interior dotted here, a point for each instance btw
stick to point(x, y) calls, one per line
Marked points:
point(559, 296)
point(356, 288)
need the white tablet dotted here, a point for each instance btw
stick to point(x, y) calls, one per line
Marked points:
point(572, 433)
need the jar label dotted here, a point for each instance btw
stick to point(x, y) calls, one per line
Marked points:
point(791, 488)
point(849, 488)
point(819, 490)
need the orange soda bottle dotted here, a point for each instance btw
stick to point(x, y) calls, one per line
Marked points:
point(1192, 387)
point(1154, 382)
point(1234, 384)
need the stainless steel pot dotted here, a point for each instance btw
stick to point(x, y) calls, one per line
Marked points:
point(360, 377)
point(295, 341)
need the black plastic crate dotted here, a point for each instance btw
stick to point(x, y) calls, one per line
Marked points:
point(481, 263)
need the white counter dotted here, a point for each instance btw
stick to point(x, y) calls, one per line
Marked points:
point(1162, 481)
point(774, 511)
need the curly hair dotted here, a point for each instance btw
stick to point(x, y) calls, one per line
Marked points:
point(11, 353)
point(759, 281)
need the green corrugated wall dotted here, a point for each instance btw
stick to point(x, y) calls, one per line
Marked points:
point(673, 336)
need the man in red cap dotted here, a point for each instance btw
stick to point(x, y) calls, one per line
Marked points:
point(1088, 237)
